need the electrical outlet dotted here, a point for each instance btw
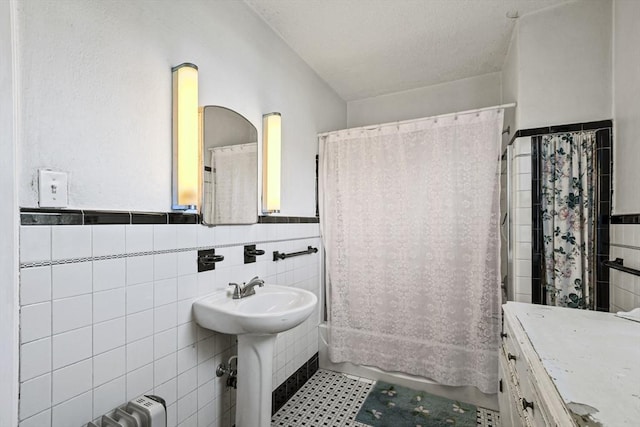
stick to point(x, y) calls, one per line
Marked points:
point(52, 189)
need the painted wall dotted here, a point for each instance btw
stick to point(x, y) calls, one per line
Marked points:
point(8, 229)
point(564, 65)
point(509, 76)
point(459, 95)
point(95, 101)
point(626, 81)
point(95, 98)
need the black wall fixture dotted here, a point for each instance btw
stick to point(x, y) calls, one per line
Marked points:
point(250, 253)
point(279, 255)
point(618, 264)
point(207, 259)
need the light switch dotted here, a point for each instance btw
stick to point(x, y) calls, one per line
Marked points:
point(52, 189)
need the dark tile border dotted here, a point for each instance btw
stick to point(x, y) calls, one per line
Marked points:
point(149, 218)
point(98, 217)
point(35, 216)
point(538, 295)
point(317, 185)
point(625, 219)
point(531, 132)
point(181, 218)
point(50, 217)
point(604, 168)
point(291, 385)
point(271, 219)
point(572, 127)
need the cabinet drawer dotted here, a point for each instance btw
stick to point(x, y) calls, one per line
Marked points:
point(509, 341)
point(508, 396)
point(512, 352)
point(531, 401)
point(520, 402)
point(535, 399)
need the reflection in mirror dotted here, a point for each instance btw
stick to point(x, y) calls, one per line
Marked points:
point(230, 173)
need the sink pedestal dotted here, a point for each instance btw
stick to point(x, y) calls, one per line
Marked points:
point(256, 320)
point(255, 370)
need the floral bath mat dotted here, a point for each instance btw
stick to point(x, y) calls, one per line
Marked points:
point(390, 405)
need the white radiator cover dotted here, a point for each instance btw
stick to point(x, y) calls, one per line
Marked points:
point(143, 411)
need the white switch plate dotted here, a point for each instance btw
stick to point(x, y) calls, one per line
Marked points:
point(52, 189)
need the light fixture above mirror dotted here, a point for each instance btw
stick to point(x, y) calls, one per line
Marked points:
point(271, 169)
point(186, 145)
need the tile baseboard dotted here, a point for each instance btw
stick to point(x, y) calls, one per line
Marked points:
point(291, 385)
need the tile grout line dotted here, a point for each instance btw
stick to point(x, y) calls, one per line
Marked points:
point(32, 264)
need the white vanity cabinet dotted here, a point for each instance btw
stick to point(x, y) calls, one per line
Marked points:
point(566, 367)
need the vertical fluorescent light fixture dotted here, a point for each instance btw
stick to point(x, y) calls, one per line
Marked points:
point(271, 143)
point(186, 147)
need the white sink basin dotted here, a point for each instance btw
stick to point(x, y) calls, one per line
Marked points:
point(256, 320)
point(271, 310)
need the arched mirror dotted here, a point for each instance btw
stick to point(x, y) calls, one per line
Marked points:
point(230, 172)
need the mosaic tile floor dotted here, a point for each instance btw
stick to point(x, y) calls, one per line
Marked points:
point(331, 399)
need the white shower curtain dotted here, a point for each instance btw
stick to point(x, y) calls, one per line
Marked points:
point(234, 184)
point(410, 222)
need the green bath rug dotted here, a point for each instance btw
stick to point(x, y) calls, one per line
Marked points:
point(390, 405)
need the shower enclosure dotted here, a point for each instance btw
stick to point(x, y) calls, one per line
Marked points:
point(410, 219)
point(532, 172)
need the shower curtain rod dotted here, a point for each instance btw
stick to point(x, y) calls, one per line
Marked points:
point(403, 122)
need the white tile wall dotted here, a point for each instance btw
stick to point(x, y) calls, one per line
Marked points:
point(71, 381)
point(35, 395)
point(72, 313)
point(35, 243)
point(99, 332)
point(109, 274)
point(72, 411)
point(138, 238)
point(624, 288)
point(109, 365)
point(108, 335)
point(35, 359)
point(108, 396)
point(70, 241)
point(35, 285)
point(521, 210)
point(71, 347)
point(35, 321)
point(108, 239)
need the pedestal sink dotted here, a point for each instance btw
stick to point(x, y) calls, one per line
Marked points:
point(256, 320)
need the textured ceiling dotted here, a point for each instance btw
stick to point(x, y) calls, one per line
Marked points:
point(365, 48)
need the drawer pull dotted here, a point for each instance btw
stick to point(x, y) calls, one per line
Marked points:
point(503, 334)
point(526, 404)
point(511, 356)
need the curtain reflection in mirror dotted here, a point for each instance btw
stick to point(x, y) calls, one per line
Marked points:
point(230, 192)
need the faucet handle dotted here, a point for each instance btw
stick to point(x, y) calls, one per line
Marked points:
point(236, 291)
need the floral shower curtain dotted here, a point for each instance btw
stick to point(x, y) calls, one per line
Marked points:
point(410, 223)
point(568, 215)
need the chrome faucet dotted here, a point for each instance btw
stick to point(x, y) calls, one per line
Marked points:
point(246, 289)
